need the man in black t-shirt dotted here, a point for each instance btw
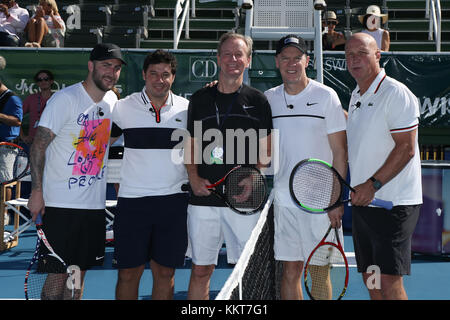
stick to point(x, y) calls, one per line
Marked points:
point(230, 124)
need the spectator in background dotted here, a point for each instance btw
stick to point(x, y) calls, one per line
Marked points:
point(35, 103)
point(13, 20)
point(371, 22)
point(46, 28)
point(10, 121)
point(331, 39)
point(10, 115)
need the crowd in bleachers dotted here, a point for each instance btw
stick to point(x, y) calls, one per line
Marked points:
point(83, 23)
point(147, 23)
point(72, 23)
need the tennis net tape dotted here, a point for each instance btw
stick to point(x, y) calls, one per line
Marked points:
point(256, 275)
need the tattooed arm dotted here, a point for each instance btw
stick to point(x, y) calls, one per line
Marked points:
point(41, 141)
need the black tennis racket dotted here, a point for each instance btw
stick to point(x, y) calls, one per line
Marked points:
point(326, 270)
point(243, 189)
point(48, 277)
point(13, 162)
point(317, 187)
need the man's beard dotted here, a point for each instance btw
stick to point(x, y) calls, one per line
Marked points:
point(98, 82)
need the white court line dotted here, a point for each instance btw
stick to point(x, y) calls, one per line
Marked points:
point(351, 260)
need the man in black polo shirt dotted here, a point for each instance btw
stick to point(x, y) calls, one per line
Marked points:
point(218, 118)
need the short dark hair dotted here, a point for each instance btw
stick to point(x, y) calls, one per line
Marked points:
point(47, 72)
point(161, 56)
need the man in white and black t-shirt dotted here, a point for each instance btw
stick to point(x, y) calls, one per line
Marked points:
point(68, 164)
point(151, 208)
point(311, 124)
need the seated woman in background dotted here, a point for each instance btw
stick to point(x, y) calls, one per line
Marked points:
point(46, 28)
point(332, 40)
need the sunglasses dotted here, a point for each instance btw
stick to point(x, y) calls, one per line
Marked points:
point(42, 79)
point(332, 22)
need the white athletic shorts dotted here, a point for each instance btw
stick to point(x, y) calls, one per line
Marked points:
point(210, 227)
point(297, 233)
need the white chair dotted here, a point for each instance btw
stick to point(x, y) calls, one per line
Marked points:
point(273, 19)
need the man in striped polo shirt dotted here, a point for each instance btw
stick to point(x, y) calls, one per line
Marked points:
point(383, 151)
point(150, 225)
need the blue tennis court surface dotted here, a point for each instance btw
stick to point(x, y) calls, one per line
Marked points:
point(430, 278)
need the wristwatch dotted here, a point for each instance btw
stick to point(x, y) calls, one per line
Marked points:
point(376, 183)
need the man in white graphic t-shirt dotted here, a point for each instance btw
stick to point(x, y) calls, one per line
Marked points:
point(68, 165)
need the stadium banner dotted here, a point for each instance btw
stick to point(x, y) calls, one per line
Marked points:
point(426, 74)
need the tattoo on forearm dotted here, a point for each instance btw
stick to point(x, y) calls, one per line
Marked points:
point(41, 141)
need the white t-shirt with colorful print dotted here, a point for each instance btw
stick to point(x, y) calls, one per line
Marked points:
point(75, 166)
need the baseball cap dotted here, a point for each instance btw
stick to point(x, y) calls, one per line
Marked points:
point(291, 40)
point(105, 51)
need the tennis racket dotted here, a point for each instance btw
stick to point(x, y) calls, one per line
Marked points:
point(243, 189)
point(47, 277)
point(326, 270)
point(13, 162)
point(317, 187)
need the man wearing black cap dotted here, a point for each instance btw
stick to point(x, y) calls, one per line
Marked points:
point(68, 166)
point(311, 124)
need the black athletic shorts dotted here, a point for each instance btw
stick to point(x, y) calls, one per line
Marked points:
point(76, 235)
point(383, 237)
point(150, 228)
